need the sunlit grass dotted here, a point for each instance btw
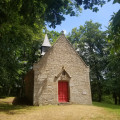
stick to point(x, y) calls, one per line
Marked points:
point(110, 107)
point(97, 111)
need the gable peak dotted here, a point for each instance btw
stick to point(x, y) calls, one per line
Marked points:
point(62, 32)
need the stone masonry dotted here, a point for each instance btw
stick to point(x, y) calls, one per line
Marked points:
point(61, 57)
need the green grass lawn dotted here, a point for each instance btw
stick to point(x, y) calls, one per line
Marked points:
point(97, 111)
point(109, 107)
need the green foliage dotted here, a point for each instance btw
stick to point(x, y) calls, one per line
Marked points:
point(113, 76)
point(102, 57)
point(20, 41)
point(53, 36)
point(114, 29)
point(91, 4)
point(92, 44)
point(56, 9)
point(116, 1)
point(108, 99)
point(21, 34)
point(111, 108)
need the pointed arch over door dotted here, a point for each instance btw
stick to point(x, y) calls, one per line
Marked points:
point(62, 75)
point(63, 91)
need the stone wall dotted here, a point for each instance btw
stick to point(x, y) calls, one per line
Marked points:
point(29, 84)
point(61, 55)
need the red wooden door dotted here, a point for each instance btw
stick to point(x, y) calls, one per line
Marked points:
point(62, 91)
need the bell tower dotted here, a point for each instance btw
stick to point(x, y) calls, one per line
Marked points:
point(45, 46)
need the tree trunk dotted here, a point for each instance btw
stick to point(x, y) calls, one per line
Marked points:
point(119, 99)
point(99, 91)
point(115, 98)
point(98, 85)
point(9, 91)
point(99, 97)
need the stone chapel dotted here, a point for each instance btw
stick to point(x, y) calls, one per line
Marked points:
point(61, 76)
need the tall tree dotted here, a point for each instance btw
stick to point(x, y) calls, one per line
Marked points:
point(53, 36)
point(91, 42)
point(113, 76)
point(21, 27)
point(113, 67)
point(114, 36)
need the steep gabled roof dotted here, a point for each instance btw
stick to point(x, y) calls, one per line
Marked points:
point(62, 35)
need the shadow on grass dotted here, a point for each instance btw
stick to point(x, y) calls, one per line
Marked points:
point(106, 105)
point(3, 97)
point(9, 107)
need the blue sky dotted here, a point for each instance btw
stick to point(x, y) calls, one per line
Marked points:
point(102, 16)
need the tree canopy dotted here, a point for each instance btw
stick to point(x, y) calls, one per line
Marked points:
point(92, 48)
point(96, 48)
point(22, 24)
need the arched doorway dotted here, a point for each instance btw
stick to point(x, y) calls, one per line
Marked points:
point(63, 91)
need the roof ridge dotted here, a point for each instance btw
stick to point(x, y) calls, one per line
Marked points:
point(71, 47)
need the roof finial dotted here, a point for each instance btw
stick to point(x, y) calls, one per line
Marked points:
point(62, 32)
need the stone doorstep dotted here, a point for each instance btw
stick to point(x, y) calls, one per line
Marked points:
point(65, 103)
